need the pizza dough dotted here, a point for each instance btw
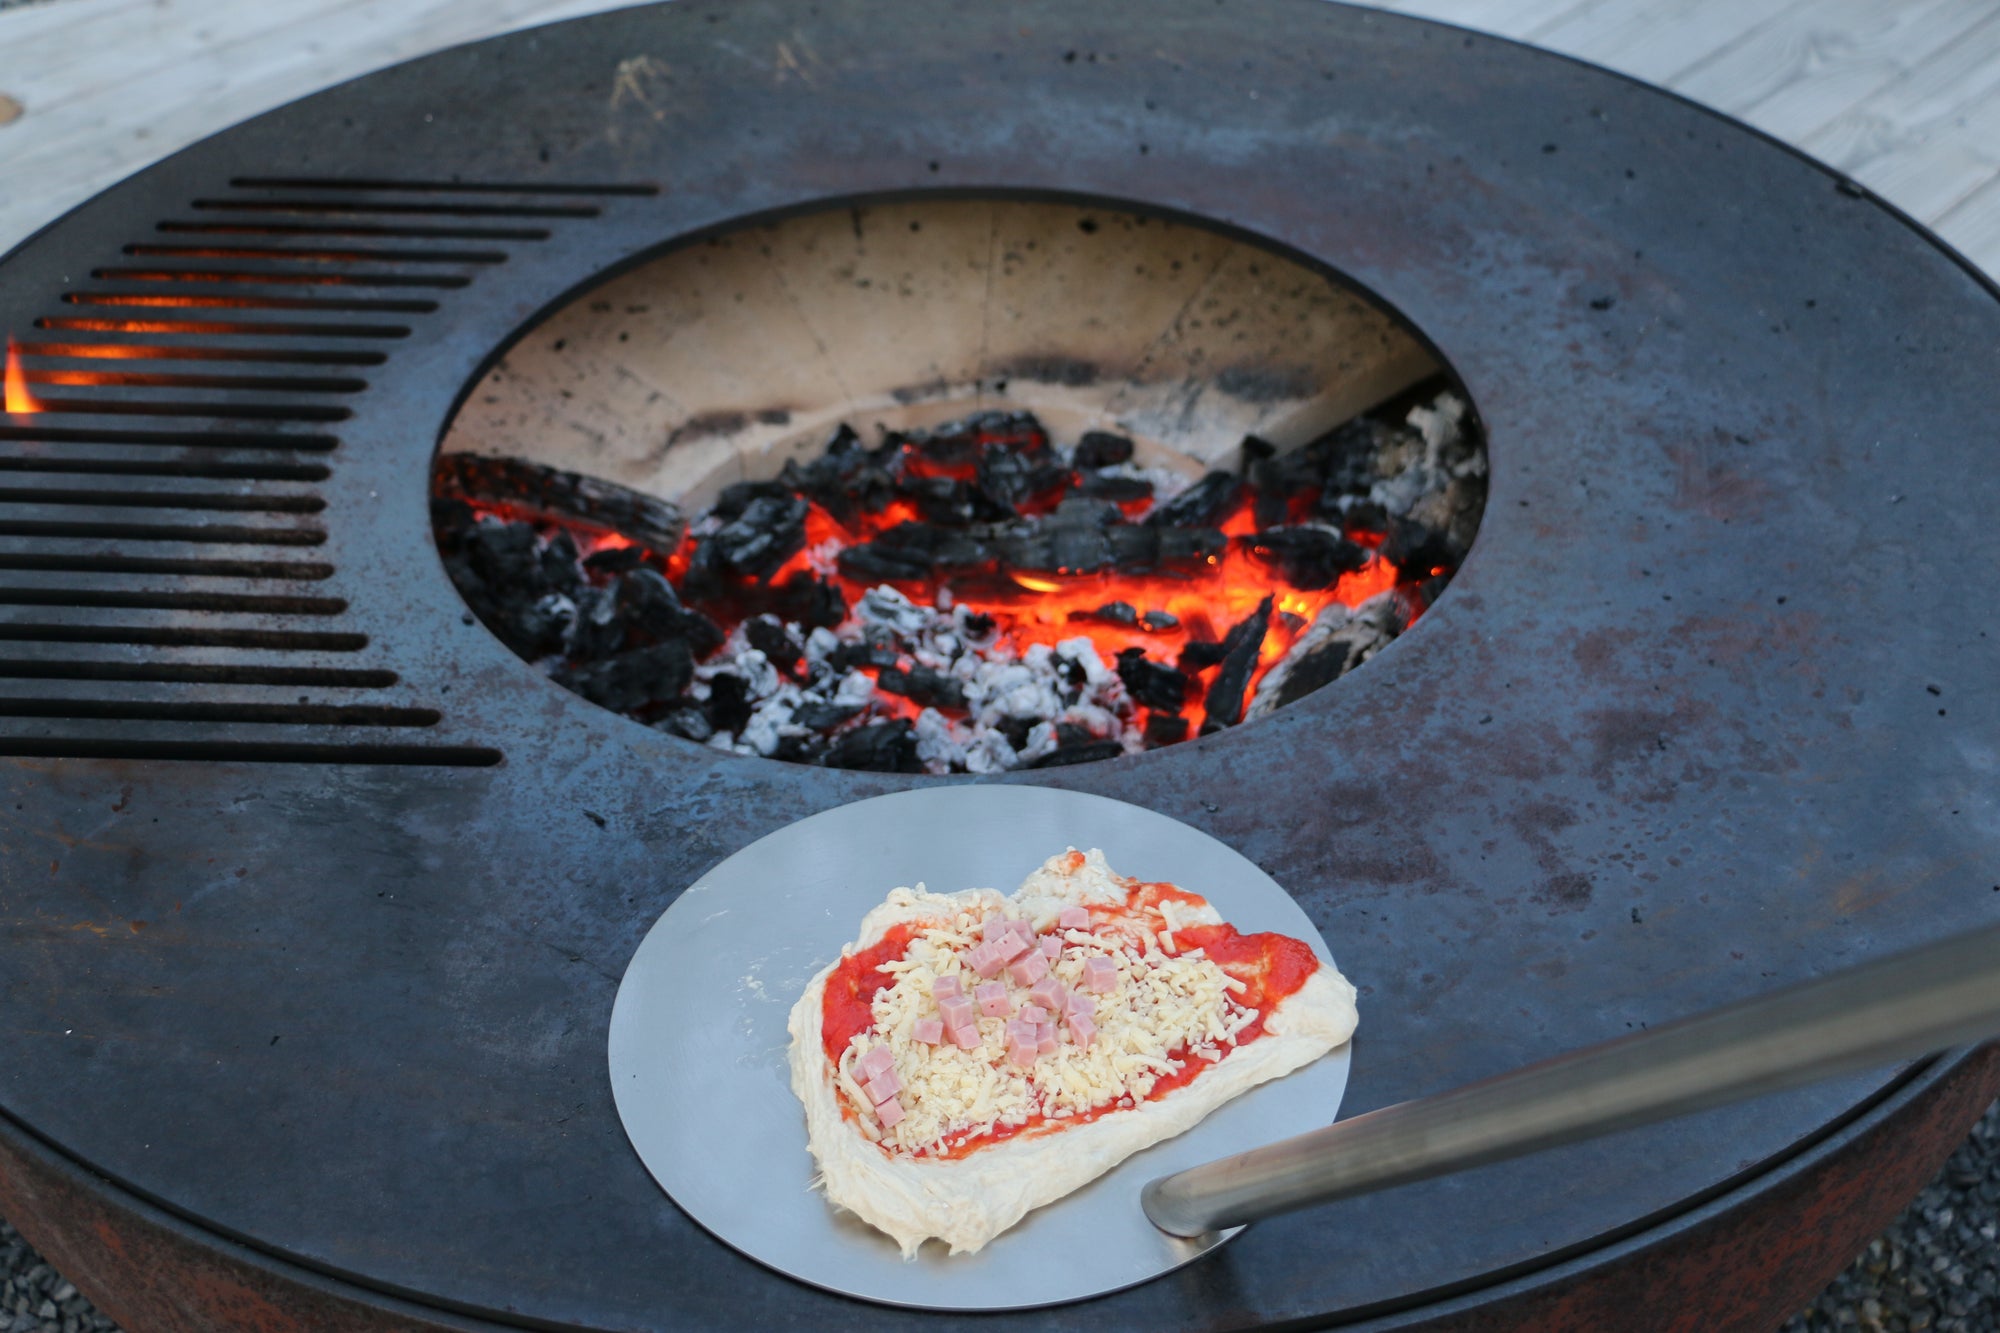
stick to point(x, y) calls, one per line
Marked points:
point(974, 1136)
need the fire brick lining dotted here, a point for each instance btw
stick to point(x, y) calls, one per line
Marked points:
point(160, 487)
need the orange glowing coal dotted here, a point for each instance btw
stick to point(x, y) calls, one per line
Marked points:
point(20, 401)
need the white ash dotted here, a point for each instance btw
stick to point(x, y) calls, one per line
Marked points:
point(1358, 633)
point(1437, 451)
point(1042, 687)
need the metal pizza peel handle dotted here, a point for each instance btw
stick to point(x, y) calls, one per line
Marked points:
point(1909, 1005)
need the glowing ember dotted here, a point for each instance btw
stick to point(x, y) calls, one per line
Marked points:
point(974, 599)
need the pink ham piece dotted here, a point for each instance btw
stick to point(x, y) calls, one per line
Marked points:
point(929, 1031)
point(1013, 944)
point(958, 1012)
point(1023, 1053)
point(1028, 969)
point(1076, 1002)
point(991, 996)
point(1073, 918)
point(985, 959)
point(1034, 1013)
point(994, 925)
point(1051, 946)
point(890, 1113)
point(1046, 1041)
point(966, 1038)
point(1048, 993)
point(1100, 975)
point(883, 1087)
point(946, 987)
point(876, 1060)
point(1081, 1030)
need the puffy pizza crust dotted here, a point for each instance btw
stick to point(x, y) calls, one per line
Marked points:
point(968, 1201)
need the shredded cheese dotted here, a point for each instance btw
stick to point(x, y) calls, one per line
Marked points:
point(1163, 1006)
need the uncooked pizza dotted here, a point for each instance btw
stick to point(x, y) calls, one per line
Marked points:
point(972, 1056)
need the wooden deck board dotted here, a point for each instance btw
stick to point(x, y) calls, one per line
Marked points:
point(1904, 95)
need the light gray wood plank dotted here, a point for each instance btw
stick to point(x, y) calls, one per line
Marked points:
point(1797, 73)
point(1974, 228)
point(1658, 41)
point(1507, 18)
point(163, 73)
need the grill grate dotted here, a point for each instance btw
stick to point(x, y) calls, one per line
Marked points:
point(146, 425)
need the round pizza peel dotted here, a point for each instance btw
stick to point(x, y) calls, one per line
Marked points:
point(698, 1041)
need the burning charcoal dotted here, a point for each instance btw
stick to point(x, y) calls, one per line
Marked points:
point(1364, 518)
point(1270, 511)
point(1099, 448)
point(1078, 511)
point(773, 640)
point(1118, 490)
point(597, 631)
point(649, 606)
point(809, 600)
point(769, 531)
point(921, 685)
point(873, 562)
point(825, 716)
point(876, 649)
point(1240, 648)
point(1256, 449)
point(1159, 621)
point(728, 702)
point(1150, 684)
point(1111, 613)
point(615, 559)
point(798, 748)
point(1416, 549)
point(1200, 505)
point(737, 497)
point(1084, 752)
point(847, 480)
point(688, 722)
point(1310, 556)
point(558, 561)
point(1165, 729)
point(1200, 654)
point(1141, 549)
point(1014, 482)
point(944, 500)
point(879, 747)
point(504, 556)
point(535, 629)
point(633, 679)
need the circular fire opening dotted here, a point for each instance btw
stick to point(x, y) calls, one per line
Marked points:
point(958, 485)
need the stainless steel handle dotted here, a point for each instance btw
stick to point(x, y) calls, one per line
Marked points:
point(1909, 1005)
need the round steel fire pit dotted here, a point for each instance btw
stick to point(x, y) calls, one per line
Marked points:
point(318, 896)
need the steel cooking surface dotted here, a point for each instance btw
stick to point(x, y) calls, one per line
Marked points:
point(1702, 713)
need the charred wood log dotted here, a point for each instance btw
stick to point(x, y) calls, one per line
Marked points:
point(532, 486)
point(1239, 657)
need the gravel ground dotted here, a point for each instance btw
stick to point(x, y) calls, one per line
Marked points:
point(1937, 1267)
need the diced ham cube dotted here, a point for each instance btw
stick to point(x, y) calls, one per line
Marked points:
point(958, 1011)
point(1076, 1002)
point(1051, 946)
point(1082, 1029)
point(873, 1061)
point(1048, 993)
point(966, 1038)
point(1023, 1053)
point(1028, 969)
point(992, 999)
point(1046, 1042)
point(890, 1113)
point(883, 1087)
point(929, 1031)
point(1100, 975)
point(985, 959)
point(946, 987)
point(1034, 1013)
point(1012, 945)
point(1074, 918)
